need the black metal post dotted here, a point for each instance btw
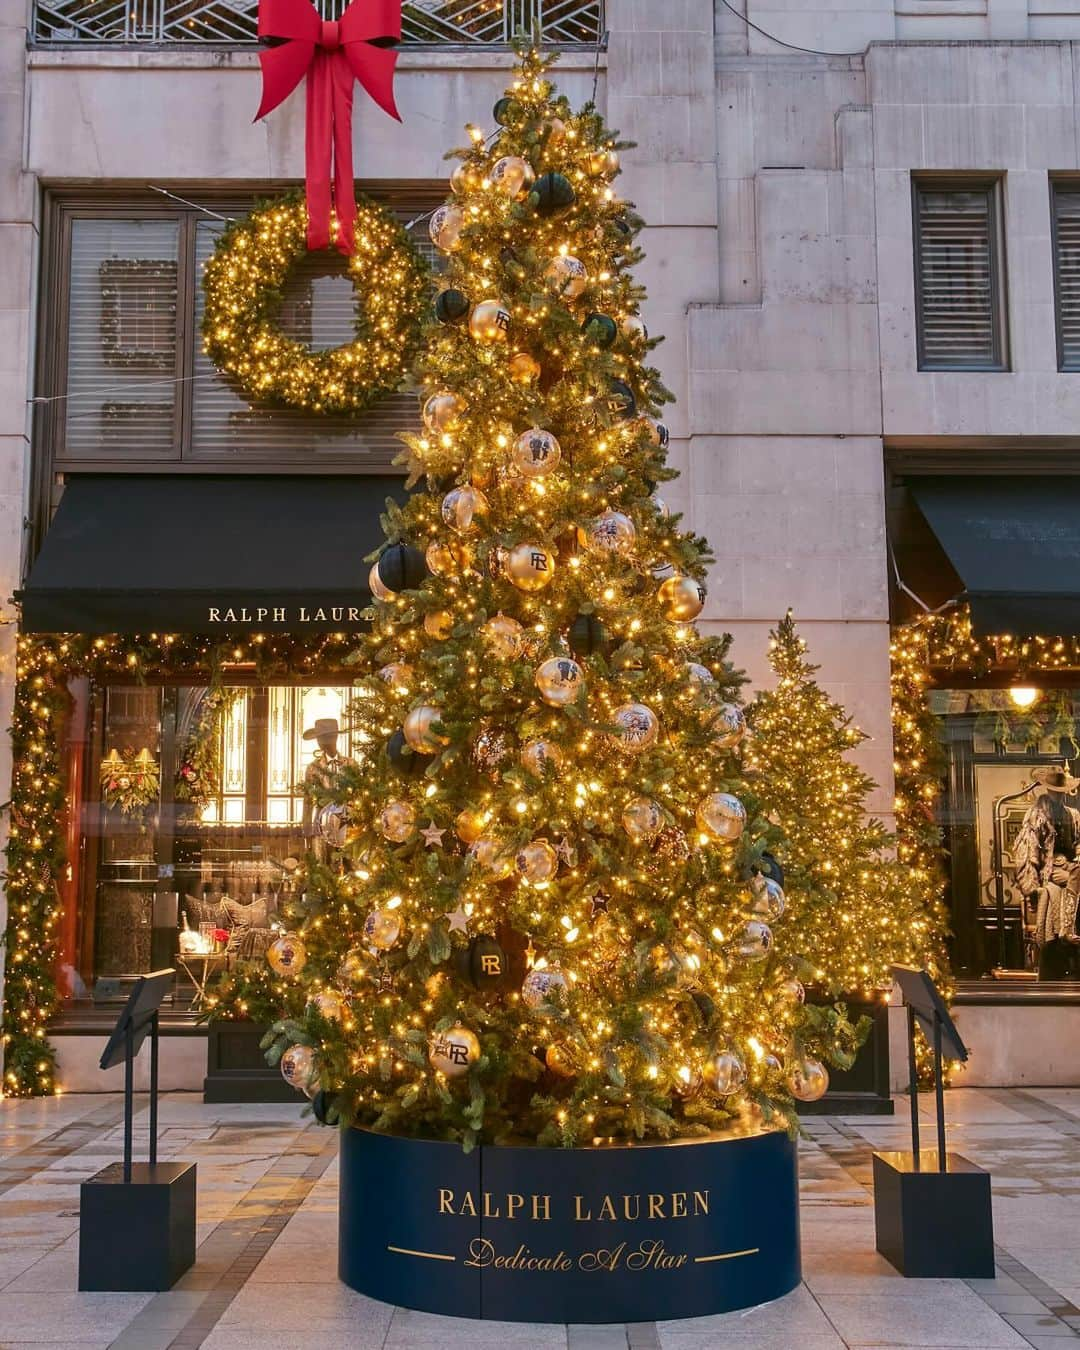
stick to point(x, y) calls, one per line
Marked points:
point(153, 1087)
point(129, 1097)
point(913, 1087)
point(939, 1094)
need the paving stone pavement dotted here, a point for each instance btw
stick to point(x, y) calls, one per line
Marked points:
point(265, 1277)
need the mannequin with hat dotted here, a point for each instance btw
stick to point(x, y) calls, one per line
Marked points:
point(322, 773)
point(1047, 858)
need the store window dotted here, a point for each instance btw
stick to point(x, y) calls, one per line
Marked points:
point(194, 819)
point(1011, 819)
point(959, 275)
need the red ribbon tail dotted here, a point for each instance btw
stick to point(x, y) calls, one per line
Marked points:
point(318, 149)
point(344, 187)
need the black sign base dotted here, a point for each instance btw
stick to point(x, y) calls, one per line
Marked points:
point(620, 1234)
point(138, 1235)
point(933, 1224)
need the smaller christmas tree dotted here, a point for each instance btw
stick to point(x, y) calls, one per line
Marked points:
point(856, 907)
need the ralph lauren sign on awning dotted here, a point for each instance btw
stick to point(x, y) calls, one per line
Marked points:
point(208, 555)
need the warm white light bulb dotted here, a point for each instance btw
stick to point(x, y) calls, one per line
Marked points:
point(1023, 697)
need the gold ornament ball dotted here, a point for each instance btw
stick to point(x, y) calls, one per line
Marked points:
point(602, 163)
point(466, 177)
point(612, 532)
point(768, 900)
point(642, 820)
point(809, 1080)
point(530, 567)
point(536, 452)
point(728, 727)
point(755, 940)
point(567, 276)
point(544, 989)
point(438, 624)
point(489, 321)
point(636, 727)
point(560, 681)
point(329, 1005)
point(354, 969)
point(396, 673)
point(287, 955)
point(445, 226)
point(562, 1059)
point(538, 755)
point(493, 856)
point(512, 175)
point(382, 928)
point(444, 559)
point(469, 825)
point(377, 586)
point(537, 861)
point(524, 368)
point(505, 636)
point(462, 507)
point(791, 992)
point(722, 816)
point(681, 599)
point(725, 1073)
point(417, 729)
point(441, 411)
point(453, 1051)
point(660, 506)
point(687, 1082)
point(633, 328)
point(397, 820)
point(490, 749)
point(701, 677)
point(299, 1069)
point(554, 128)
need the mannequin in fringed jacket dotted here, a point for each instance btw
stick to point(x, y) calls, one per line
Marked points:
point(1046, 855)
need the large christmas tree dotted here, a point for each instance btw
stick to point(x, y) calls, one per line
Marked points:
point(556, 920)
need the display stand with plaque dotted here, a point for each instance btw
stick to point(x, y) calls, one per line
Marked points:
point(137, 1220)
point(932, 1211)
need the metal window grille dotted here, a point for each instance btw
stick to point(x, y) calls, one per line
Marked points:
point(1066, 230)
point(959, 277)
point(425, 23)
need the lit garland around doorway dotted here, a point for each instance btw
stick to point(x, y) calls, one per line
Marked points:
point(35, 851)
point(244, 287)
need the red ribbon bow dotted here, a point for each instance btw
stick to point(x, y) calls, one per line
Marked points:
point(332, 55)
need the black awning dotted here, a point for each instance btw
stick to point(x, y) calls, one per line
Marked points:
point(1014, 543)
point(169, 554)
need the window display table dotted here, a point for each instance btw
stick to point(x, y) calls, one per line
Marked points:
point(205, 964)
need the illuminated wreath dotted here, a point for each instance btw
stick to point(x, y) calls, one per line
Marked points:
point(244, 285)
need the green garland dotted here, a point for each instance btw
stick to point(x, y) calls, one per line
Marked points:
point(129, 781)
point(35, 851)
point(198, 775)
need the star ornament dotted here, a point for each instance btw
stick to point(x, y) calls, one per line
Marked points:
point(600, 903)
point(459, 920)
point(432, 835)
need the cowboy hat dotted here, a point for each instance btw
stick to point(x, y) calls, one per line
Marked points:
point(1054, 777)
point(324, 726)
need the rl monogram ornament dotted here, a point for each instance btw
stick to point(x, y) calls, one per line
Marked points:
point(332, 55)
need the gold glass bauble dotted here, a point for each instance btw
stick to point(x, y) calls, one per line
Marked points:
point(791, 992)
point(441, 411)
point(536, 861)
point(660, 506)
point(554, 130)
point(493, 856)
point(418, 731)
point(445, 225)
point(377, 586)
point(809, 1080)
point(633, 328)
point(396, 673)
point(489, 321)
point(560, 681)
point(397, 820)
point(438, 624)
point(466, 177)
point(287, 955)
point(727, 727)
point(355, 968)
point(490, 748)
point(754, 942)
point(681, 599)
point(563, 1059)
point(767, 898)
point(612, 532)
point(505, 636)
point(537, 756)
point(524, 368)
point(536, 452)
point(530, 567)
point(721, 816)
point(329, 1005)
point(701, 677)
point(462, 507)
point(453, 1051)
point(687, 1081)
point(299, 1068)
point(636, 727)
point(567, 276)
point(544, 989)
point(444, 559)
point(512, 175)
point(382, 928)
point(642, 820)
point(602, 164)
point(469, 825)
point(725, 1073)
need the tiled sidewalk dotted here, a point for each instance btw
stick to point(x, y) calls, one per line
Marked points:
point(265, 1275)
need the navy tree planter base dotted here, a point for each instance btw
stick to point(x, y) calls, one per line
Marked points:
point(624, 1234)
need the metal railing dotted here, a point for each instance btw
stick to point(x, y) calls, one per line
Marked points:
point(426, 23)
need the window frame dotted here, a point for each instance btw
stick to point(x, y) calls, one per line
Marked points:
point(993, 186)
point(1068, 184)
